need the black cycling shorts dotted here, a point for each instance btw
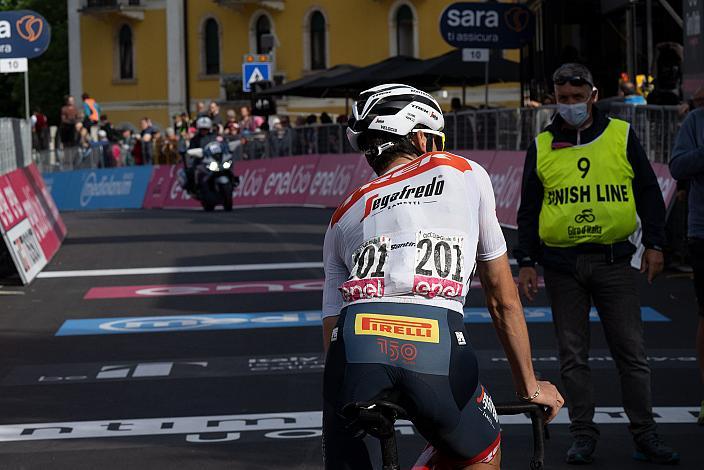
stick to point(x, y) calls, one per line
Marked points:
point(419, 357)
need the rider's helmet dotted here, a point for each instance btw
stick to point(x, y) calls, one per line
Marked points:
point(204, 122)
point(385, 117)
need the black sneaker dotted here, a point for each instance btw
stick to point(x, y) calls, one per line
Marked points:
point(650, 448)
point(581, 451)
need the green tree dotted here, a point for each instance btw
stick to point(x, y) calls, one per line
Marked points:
point(48, 73)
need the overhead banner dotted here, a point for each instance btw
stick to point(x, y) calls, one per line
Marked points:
point(30, 223)
point(23, 33)
point(487, 25)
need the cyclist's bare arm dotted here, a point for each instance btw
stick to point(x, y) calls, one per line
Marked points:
point(328, 325)
point(507, 315)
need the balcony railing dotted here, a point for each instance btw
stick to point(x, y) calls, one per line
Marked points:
point(133, 9)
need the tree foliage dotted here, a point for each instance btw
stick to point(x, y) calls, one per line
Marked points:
point(48, 73)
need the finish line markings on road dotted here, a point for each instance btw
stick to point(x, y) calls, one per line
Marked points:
point(184, 269)
point(179, 270)
point(270, 422)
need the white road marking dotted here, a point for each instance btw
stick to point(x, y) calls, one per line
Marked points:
point(185, 269)
point(305, 420)
point(178, 270)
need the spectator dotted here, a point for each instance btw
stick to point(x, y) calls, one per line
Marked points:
point(342, 119)
point(127, 143)
point(107, 159)
point(232, 127)
point(147, 137)
point(91, 111)
point(248, 124)
point(106, 126)
point(40, 130)
point(325, 118)
point(687, 163)
point(584, 249)
point(214, 115)
point(628, 91)
point(170, 147)
point(280, 139)
point(67, 127)
point(158, 142)
point(200, 110)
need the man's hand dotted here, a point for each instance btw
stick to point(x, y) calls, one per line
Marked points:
point(549, 397)
point(528, 282)
point(652, 263)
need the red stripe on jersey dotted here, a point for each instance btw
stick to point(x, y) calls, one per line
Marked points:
point(420, 165)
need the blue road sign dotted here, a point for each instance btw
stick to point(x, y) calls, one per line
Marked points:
point(23, 33)
point(487, 25)
point(255, 72)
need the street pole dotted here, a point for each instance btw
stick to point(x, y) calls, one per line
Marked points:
point(649, 34)
point(26, 110)
point(486, 82)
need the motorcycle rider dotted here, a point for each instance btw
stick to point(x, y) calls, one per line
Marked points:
point(203, 137)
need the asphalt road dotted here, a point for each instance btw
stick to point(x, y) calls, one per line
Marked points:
point(95, 371)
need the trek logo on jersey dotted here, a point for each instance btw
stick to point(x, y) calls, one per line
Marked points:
point(423, 330)
point(375, 202)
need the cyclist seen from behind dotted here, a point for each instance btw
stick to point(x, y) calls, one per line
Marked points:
point(399, 255)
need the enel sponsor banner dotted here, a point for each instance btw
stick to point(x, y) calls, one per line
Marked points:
point(29, 221)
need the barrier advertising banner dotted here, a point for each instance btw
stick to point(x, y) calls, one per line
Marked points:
point(29, 220)
point(110, 188)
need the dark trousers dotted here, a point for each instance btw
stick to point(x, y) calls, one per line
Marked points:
point(611, 287)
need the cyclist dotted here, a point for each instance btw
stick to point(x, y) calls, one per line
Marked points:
point(399, 254)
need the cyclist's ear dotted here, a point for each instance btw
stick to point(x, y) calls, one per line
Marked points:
point(420, 141)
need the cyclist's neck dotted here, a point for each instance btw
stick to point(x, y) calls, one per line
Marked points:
point(400, 159)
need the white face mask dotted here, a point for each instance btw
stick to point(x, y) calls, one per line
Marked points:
point(574, 114)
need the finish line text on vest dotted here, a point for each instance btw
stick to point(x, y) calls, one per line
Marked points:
point(575, 194)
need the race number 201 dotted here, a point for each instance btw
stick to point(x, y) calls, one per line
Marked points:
point(439, 266)
point(369, 262)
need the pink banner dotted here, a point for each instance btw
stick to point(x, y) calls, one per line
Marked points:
point(483, 157)
point(11, 211)
point(47, 202)
point(506, 173)
point(326, 180)
point(668, 185)
point(38, 218)
point(31, 225)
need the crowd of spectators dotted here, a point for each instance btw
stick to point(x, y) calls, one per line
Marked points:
point(87, 137)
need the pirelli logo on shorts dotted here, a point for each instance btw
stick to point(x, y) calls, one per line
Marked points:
point(425, 330)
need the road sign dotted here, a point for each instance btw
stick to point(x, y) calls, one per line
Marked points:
point(475, 55)
point(13, 65)
point(255, 71)
point(23, 33)
point(492, 25)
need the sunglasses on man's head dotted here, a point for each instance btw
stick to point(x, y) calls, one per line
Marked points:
point(574, 81)
point(438, 138)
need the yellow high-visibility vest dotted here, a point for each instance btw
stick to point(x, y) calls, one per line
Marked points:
point(588, 194)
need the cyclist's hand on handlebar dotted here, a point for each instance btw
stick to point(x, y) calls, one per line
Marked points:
point(528, 282)
point(549, 397)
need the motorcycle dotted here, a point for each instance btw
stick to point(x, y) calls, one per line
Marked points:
point(211, 180)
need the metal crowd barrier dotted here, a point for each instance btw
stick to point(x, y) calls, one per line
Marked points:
point(491, 129)
point(15, 144)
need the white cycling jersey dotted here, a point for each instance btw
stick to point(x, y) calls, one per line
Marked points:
point(412, 235)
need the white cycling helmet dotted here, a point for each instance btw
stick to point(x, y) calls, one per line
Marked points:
point(204, 122)
point(396, 109)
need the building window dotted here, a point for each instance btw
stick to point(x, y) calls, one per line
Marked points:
point(317, 41)
point(262, 27)
point(126, 53)
point(404, 31)
point(211, 44)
